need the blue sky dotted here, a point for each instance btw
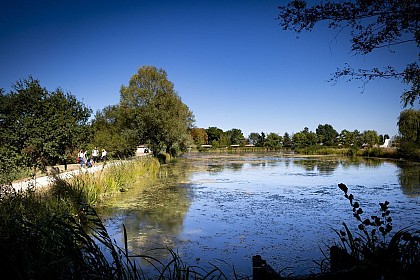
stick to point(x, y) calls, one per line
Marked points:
point(230, 62)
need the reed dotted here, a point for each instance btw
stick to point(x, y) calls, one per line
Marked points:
point(56, 233)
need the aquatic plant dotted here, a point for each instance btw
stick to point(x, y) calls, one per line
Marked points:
point(374, 250)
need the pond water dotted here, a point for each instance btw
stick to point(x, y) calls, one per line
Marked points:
point(223, 209)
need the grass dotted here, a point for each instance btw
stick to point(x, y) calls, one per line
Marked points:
point(56, 234)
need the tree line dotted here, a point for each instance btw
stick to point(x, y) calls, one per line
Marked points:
point(42, 128)
point(324, 135)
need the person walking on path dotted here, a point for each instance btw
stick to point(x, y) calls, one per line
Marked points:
point(81, 158)
point(95, 154)
point(85, 157)
point(103, 156)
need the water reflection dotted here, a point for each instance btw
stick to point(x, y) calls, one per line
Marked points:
point(324, 167)
point(230, 208)
point(409, 178)
point(153, 215)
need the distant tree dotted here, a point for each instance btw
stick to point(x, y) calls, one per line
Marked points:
point(374, 24)
point(409, 126)
point(253, 138)
point(370, 137)
point(326, 134)
point(299, 139)
point(311, 137)
point(199, 135)
point(235, 136)
point(261, 140)
point(342, 138)
point(159, 116)
point(273, 141)
point(349, 138)
point(287, 141)
point(40, 127)
point(224, 141)
point(214, 134)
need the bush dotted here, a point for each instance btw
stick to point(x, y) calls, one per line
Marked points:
point(409, 150)
point(164, 158)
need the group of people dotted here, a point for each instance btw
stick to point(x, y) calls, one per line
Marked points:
point(84, 160)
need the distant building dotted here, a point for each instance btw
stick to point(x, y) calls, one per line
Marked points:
point(386, 144)
point(141, 150)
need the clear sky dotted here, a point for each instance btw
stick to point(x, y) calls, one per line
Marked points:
point(230, 62)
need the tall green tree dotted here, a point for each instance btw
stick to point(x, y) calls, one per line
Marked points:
point(299, 139)
point(214, 135)
point(112, 132)
point(373, 24)
point(350, 138)
point(155, 110)
point(287, 141)
point(409, 126)
point(235, 136)
point(261, 140)
point(326, 134)
point(370, 137)
point(40, 127)
point(273, 140)
point(253, 138)
point(311, 137)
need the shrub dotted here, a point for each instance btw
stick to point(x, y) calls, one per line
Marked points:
point(164, 158)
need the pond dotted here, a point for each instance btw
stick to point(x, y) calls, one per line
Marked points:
point(224, 208)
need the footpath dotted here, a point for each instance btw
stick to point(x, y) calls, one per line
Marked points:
point(72, 170)
point(45, 180)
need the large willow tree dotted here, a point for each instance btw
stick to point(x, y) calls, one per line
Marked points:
point(154, 110)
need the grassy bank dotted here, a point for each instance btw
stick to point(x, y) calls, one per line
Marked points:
point(55, 233)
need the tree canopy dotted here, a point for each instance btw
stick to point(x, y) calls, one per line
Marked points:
point(156, 112)
point(114, 133)
point(373, 25)
point(409, 126)
point(199, 135)
point(326, 134)
point(39, 127)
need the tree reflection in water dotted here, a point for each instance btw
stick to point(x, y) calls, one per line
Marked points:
point(409, 178)
point(212, 206)
point(152, 213)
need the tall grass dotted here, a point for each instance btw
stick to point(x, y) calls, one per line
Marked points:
point(321, 150)
point(117, 177)
point(56, 233)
